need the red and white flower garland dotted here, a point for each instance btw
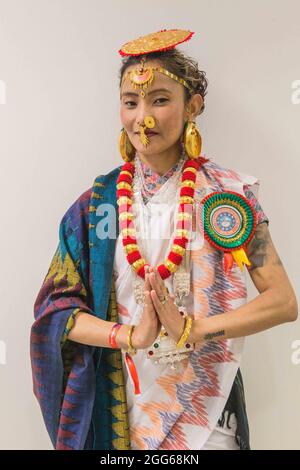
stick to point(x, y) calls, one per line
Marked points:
point(183, 223)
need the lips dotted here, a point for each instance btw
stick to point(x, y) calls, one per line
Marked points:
point(148, 133)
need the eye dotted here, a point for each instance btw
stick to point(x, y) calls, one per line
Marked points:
point(133, 103)
point(162, 99)
point(129, 102)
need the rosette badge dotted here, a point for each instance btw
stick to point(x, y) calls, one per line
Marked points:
point(229, 222)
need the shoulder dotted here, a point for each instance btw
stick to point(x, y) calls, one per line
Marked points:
point(221, 172)
point(231, 178)
point(79, 209)
point(109, 177)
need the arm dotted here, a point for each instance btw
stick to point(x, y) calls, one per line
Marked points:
point(93, 331)
point(275, 304)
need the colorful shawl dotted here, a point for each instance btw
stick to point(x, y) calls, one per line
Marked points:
point(64, 375)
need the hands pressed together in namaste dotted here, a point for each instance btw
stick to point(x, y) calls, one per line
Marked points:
point(159, 309)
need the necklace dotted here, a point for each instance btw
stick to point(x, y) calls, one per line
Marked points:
point(183, 221)
point(144, 181)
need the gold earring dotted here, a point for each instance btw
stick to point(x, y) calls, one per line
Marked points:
point(192, 139)
point(126, 148)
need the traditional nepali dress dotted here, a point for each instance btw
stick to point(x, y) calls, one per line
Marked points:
point(85, 393)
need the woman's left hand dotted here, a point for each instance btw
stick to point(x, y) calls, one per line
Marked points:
point(168, 312)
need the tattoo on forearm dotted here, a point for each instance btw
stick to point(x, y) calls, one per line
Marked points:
point(258, 250)
point(209, 336)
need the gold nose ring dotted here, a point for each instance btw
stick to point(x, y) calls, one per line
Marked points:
point(149, 122)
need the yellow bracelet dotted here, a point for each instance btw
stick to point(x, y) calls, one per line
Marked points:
point(131, 350)
point(186, 332)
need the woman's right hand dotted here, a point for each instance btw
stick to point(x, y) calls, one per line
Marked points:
point(146, 332)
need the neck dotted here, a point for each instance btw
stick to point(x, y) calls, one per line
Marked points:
point(163, 161)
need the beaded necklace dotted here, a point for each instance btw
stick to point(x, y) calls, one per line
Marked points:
point(183, 222)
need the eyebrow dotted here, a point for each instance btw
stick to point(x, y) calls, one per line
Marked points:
point(161, 90)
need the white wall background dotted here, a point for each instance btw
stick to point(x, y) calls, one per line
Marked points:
point(59, 126)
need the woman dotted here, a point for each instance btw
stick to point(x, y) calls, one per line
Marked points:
point(141, 318)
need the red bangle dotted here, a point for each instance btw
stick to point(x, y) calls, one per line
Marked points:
point(113, 334)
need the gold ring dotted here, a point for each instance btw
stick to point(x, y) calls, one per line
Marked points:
point(165, 299)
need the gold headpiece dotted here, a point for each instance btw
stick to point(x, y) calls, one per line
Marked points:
point(163, 40)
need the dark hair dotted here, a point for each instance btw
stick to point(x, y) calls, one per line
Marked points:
point(178, 63)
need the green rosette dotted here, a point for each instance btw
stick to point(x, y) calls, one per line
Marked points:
point(228, 220)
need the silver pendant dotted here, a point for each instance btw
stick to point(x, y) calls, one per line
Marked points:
point(138, 289)
point(182, 279)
